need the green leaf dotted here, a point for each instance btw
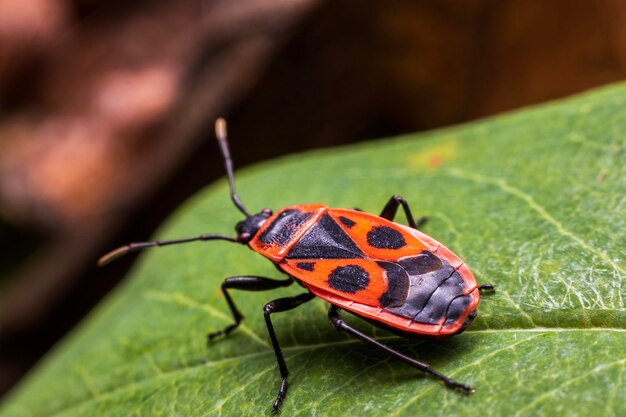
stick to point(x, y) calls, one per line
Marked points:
point(534, 201)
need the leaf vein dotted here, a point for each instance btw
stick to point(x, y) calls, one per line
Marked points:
point(475, 363)
point(570, 381)
point(182, 299)
point(173, 372)
point(532, 203)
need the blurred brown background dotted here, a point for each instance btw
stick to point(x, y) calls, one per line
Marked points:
point(106, 111)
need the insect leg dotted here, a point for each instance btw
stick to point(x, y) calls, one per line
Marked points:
point(391, 208)
point(248, 283)
point(339, 324)
point(489, 288)
point(281, 304)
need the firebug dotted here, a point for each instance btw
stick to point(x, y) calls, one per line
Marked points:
point(389, 274)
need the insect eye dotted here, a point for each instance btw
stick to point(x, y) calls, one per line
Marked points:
point(244, 237)
point(267, 211)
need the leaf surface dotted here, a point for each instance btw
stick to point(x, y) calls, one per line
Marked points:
point(533, 201)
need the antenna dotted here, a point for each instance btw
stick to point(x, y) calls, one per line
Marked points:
point(134, 247)
point(220, 132)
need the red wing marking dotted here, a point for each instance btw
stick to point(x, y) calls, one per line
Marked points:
point(430, 243)
point(362, 280)
point(363, 226)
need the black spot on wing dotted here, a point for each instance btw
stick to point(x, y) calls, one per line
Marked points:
point(307, 266)
point(283, 227)
point(325, 240)
point(347, 222)
point(348, 279)
point(397, 285)
point(383, 237)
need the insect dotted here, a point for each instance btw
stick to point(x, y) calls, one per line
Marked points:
point(392, 275)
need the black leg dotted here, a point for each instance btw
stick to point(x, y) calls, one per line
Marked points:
point(248, 283)
point(282, 304)
point(488, 288)
point(339, 324)
point(391, 208)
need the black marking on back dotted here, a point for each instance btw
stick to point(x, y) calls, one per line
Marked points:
point(384, 237)
point(347, 222)
point(325, 240)
point(421, 264)
point(282, 228)
point(437, 305)
point(397, 285)
point(456, 308)
point(435, 290)
point(348, 279)
point(307, 266)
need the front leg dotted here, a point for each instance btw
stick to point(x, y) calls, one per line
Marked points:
point(391, 208)
point(247, 283)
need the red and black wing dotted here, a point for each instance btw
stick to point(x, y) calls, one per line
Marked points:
point(383, 271)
